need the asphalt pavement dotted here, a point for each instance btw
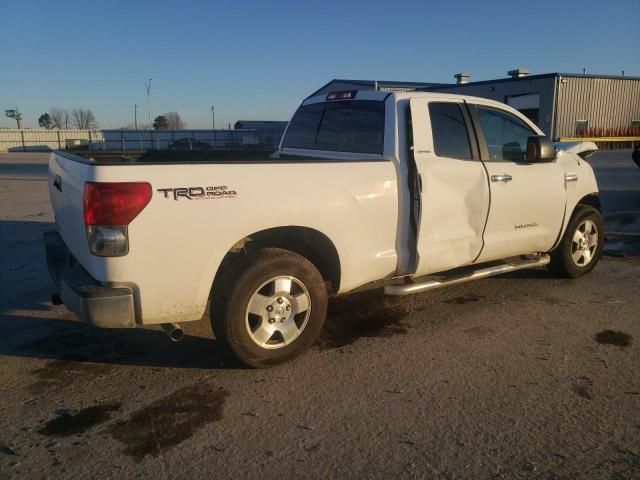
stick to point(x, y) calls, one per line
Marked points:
point(518, 376)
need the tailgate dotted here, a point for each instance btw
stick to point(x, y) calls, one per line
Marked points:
point(67, 176)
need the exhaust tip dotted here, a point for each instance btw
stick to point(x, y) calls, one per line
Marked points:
point(173, 331)
point(177, 335)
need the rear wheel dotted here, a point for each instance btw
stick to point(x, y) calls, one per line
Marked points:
point(270, 308)
point(581, 245)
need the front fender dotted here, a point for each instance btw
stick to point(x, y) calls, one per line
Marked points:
point(581, 190)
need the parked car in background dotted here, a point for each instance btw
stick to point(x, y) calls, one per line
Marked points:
point(188, 143)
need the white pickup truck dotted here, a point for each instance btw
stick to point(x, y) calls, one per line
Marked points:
point(421, 190)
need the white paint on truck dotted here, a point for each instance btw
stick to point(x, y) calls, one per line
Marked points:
point(362, 202)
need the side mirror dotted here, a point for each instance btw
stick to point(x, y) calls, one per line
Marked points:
point(540, 149)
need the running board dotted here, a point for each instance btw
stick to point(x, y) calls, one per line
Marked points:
point(510, 265)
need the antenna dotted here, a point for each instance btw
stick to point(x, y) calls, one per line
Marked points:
point(147, 87)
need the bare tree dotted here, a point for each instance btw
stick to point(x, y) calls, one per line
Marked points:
point(174, 120)
point(83, 119)
point(59, 118)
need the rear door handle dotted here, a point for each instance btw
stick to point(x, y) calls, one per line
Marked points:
point(501, 178)
point(58, 183)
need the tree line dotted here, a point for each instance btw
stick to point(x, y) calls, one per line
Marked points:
point(78, 118)
point(169, 121)
point(84, 119)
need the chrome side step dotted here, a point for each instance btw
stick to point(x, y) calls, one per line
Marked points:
point(510, 265)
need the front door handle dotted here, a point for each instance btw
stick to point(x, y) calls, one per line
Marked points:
point(501, 178)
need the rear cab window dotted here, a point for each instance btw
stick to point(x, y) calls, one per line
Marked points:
point(354, 126)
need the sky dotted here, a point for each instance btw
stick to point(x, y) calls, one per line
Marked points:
point(256, 60)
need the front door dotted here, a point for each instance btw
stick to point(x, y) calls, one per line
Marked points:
point(454, 200)
point(527, 200)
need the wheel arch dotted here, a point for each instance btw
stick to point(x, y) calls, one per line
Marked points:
point(561, 264)
point(312, 244)
point(591, 200)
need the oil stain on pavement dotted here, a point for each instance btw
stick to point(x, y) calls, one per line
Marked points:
point(169, 420)
point(61, 373)
point(471, 297)
point(366, 313)
point(480, 331)
point(71, 424)
point(582, 391)
point(613, 337)
point(80, 343)
point(582, 388)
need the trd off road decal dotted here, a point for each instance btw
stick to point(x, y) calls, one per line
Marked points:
point(198, 193)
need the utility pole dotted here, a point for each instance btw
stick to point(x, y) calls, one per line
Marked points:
point(147, 86)
point(213, 117)
point(135, 116)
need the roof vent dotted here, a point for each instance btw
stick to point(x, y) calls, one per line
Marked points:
point(518, 73)
point(462, 78)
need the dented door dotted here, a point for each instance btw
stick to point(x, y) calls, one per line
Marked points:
point(455, 191)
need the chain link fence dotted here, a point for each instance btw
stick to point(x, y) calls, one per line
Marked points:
point(13, 140)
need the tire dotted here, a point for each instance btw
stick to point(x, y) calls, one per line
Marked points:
point(636, 155)
point(581, 246)
point(270, 307)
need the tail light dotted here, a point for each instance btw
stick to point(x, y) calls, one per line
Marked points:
point(108, 209)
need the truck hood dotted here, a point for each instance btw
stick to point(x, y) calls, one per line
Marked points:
point(583, 149)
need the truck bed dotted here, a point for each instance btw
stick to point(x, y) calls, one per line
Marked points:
point(105, 157)
point(176, 245)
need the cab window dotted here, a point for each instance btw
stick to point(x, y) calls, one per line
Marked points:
point(506, 135)
point(346, 126)
point(450, 136)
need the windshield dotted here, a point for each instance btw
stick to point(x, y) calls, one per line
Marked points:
point(355, 126)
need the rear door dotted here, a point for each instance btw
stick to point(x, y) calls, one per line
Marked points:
point(455, 193)
point(527, 200)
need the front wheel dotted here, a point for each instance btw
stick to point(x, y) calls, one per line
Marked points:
point(636, 155)
point(270, 308)
point(581, 245)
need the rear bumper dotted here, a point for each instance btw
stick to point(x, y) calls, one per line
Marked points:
point(95, 303)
